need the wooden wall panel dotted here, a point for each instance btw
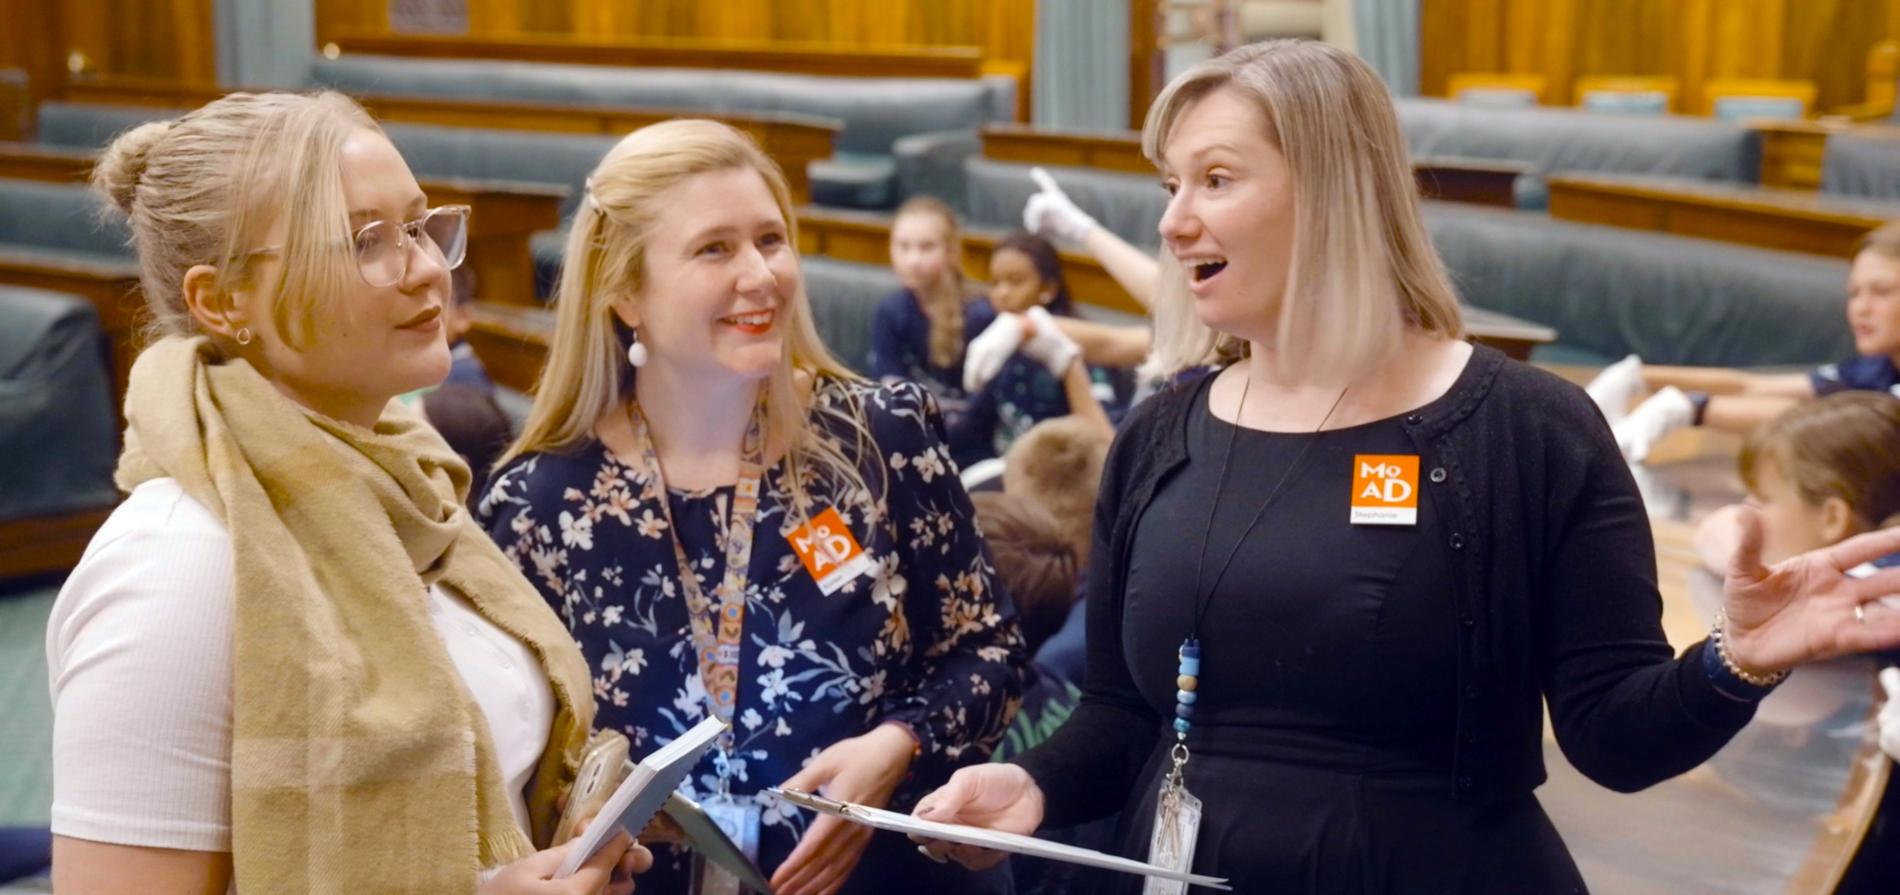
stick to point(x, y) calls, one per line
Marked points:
point(1004, 29)
point(1825, 41)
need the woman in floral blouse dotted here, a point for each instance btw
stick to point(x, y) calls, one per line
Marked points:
point(840, 609)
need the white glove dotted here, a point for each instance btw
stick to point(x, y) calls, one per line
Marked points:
point(1889, 718)
point(1049, 345)
point(1615, 387)
point(1664, 412)
point(991, 349)
point(1051, 213)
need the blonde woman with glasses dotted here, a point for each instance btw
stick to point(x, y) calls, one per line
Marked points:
point(732, 524)
point(290, 661)
point(1336, 582)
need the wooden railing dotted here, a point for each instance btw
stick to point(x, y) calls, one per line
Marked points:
point(794, 141)
point(1766, 217)
point(790, 57)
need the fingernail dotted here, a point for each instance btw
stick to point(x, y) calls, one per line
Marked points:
point(925, 851)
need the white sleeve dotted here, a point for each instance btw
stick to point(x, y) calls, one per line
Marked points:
point(139, 662)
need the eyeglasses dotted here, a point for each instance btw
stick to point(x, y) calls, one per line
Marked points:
point(382, 248)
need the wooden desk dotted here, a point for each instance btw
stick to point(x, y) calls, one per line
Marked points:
point(1479, 181)
point(1768, 217)
point(512, 342)
point(794, 141)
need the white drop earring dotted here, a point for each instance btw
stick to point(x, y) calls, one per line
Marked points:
point(637, 353)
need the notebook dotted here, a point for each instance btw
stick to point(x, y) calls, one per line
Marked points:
point(643, 793)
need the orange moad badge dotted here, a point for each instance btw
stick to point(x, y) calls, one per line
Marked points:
point(828, 550)
point(1384, 489)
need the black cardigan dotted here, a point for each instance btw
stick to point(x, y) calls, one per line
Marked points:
point(1555, 591)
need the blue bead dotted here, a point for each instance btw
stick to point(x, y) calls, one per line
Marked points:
point(1191, 666)
point(1184, 712)
point(1191, 650)
point(1184, 697)
point(1181, 725)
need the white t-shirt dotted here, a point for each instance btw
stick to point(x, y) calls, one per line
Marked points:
point(138, 654)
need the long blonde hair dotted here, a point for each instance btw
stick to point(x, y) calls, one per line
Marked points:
point(943, 303)
point(1363, 267)
point(203, 188)
point(587, 375)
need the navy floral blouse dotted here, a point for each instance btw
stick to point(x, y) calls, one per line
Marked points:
point(926, 637)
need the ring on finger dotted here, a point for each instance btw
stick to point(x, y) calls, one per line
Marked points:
point(1860, 613)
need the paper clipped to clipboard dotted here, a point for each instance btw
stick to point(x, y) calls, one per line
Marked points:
point(643, 793)
point(991, 839)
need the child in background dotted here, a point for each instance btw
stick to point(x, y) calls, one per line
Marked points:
point(1820, 473)
point(920, 331)
point(1023, 369)
point(1057, 466)
point(1737, 401)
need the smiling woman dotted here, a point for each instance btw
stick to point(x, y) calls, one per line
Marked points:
point(732, 524)
point(293, 572)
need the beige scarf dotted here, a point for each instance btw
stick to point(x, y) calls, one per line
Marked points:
point(359, 761)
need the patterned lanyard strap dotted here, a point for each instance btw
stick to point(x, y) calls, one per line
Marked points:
point(716, 643)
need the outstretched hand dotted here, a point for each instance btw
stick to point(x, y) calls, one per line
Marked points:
point(1807, 608)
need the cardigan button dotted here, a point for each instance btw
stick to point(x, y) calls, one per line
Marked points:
point(1464, 783)
point(1471, 736)
point(1467, 621)
point(1438, 474)
point(1471, 691)
point(1457, 541)
point(1414, 420)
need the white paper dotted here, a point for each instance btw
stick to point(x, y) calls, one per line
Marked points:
point(991, 839)
point(643, 793)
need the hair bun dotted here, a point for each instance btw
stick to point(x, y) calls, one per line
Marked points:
point(117, 174)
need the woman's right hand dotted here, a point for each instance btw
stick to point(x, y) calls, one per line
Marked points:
point(611, 871)
point(993, 796)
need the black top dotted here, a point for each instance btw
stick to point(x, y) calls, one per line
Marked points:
point(1553, 595)
point(1325, 642)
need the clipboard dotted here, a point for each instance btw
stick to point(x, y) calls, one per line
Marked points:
point(1013, 843)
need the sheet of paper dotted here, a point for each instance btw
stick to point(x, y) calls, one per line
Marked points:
point(1008, 842)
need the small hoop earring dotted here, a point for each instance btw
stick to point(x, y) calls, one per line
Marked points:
point(637, 353)
point(244, 335)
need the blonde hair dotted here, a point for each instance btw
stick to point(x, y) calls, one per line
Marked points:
point(1883, 240)
point(587, 375)
point(944, 303)
point(1840, 446)
point(1363, 268)
point(1057, 465)
point(205, 187)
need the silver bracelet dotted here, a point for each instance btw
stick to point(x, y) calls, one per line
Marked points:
point(1751, 678)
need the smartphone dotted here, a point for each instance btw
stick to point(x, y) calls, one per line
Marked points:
point(603, 764)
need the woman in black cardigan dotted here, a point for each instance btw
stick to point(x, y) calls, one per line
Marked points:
point(1335, 582)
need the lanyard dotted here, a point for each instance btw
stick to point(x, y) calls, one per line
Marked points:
point(716, 630)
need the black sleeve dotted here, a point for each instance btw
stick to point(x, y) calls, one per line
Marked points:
point(1088, 766)
point(1625, 713)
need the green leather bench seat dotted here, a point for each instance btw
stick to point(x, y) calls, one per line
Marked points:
point(58, 435)
point(1861, 164)
point(60, 219)
point(1671, 299)
point(1558, 140)
point(876, 113)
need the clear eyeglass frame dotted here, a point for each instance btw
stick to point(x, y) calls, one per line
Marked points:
point(382, 248)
